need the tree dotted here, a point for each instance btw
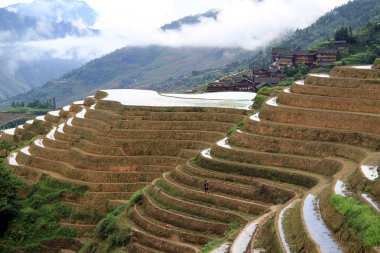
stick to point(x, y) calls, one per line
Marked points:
point(10, 187)
point(341, 34)
point(5, 146)
point(54, 106)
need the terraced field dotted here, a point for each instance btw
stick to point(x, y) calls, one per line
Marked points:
point(279, 168)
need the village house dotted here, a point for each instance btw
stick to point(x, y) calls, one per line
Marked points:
point(304, 57)
point(340, 44)
point(326, 57)
point(277, 52)
point(237, 83)
point(285, 61)
point(260, 82)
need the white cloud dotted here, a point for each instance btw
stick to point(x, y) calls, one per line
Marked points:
point(241, 23)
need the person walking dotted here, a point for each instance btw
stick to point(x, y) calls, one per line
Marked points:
point(206, 186)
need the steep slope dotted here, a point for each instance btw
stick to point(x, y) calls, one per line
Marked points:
point(355, 14)
point(133, 68)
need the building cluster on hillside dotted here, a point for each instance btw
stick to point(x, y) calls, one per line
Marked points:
point(282, 58)
point(285, 57)
point(258, 78)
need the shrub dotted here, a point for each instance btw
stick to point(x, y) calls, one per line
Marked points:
point(37, 221)
point(114, 231)
point(265, 91)
point(258, 101)
point(10, 187)
point(360, 218)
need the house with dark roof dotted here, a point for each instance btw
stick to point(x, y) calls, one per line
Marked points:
point(237, 83)
point(277, 52)
point(325, 57)
point(306, 57)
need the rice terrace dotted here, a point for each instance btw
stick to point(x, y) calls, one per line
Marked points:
point(225, 131)
point(298, 173)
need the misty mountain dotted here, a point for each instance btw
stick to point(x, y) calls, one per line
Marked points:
point(25, 67)
point(133, 67)
point(190, 20)
point(15, 27)
point(75, 12)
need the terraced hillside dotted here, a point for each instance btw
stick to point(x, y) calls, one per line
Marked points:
point(287, 162)
point(115, 150)
point(294, 177)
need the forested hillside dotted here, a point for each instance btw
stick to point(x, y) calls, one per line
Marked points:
point(355, 14)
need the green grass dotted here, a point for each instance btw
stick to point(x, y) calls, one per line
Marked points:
point(211, 245)
point(265, 91)
point(258, 101)
point(40, 211)
point(360, 218)
point(232, 229)
point(113, 231)
point(230, 131)
point(358, 58)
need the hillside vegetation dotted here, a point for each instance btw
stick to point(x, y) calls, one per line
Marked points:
point(356, 14)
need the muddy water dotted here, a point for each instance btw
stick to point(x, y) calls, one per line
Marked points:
point(255, 117)
point(281, 229)
point(54, 113)
point(370, 172)
point(237, 100)
point(224, 143)
point(50, 135)
point(41, 118)
point(70, 121)
point(272, 102)
point(10, 131)
point(60, 128)
point(39, 143)
point(241, 243)
point(81, 113)
point(341, 189)
point(207, 153)
point(317, 227)
point(222, 248)
point(26, 151)
point(66, 108)
point(371, 202)
point(12, 159)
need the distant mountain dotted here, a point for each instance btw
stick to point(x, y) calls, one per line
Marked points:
point(15, 27)
point(133, 67)
point(23, 68)
point(75, 12)
point(355, 14)
point(190, 20)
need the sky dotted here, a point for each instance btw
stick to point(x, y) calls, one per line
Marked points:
point(247, 24)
